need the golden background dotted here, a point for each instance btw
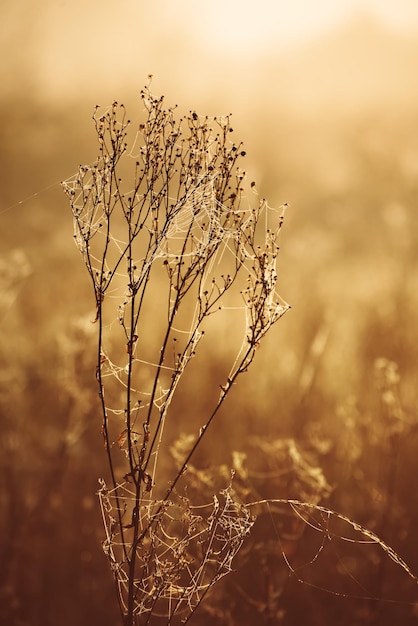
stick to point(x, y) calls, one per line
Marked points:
point(325, 99)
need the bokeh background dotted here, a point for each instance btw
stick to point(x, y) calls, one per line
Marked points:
point(325, 97)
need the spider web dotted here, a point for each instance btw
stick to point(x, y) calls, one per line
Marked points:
point(184, 549)
point(206, 252)
point(213, 231)
point(333, 529)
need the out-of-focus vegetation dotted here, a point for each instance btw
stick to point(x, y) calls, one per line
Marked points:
point(337, 380)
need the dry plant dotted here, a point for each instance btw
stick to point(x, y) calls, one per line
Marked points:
point(170, 240)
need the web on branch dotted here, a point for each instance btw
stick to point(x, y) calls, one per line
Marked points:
point(335, 529)
point(183, 552)
point(180, 224)
point(169, 239)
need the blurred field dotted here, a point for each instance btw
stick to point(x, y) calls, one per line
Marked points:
point(331, 129)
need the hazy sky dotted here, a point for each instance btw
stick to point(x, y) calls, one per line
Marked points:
point(72, 43)
point(243, 26)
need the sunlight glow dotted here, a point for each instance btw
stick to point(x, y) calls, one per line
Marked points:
point(246, 28)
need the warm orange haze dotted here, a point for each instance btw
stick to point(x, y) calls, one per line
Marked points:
point(324, 98)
